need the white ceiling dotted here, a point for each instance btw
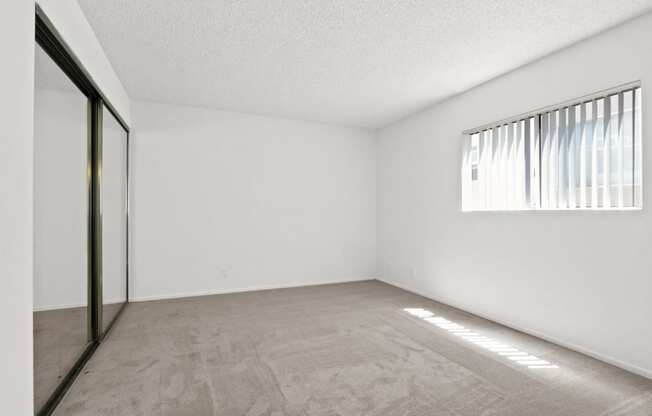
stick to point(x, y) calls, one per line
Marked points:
point(352, 62)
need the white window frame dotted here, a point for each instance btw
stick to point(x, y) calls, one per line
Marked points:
point(515, 163)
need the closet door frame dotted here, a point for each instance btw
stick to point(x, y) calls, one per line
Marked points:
point(56, 48)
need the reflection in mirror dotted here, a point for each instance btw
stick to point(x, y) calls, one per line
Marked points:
point(60, 226)
point(114, 218)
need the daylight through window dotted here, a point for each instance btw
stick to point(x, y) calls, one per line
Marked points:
point(581, 155)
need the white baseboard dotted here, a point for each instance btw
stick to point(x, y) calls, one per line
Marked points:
point(647, 373)
point(45, 308)
point(209, 292)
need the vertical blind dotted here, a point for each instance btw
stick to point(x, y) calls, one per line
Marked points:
point(584, 154)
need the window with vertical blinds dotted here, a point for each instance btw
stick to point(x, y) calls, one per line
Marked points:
point(582, 154)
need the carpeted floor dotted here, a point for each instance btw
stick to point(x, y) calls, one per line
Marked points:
point(60, 337)
point(343, 349)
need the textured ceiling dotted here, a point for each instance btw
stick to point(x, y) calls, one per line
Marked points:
point(353, 62)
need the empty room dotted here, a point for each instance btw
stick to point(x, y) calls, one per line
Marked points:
point(326, 208)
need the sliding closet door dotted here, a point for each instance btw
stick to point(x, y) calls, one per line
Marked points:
point(114, 217)
point(61, 221)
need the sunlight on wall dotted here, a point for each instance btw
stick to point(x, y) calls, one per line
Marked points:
point(504, 350)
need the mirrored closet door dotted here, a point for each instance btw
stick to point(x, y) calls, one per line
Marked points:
point(114, 217)
point(80, 217)
point(61, 221)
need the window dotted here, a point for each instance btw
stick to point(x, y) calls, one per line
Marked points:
point(583, 154)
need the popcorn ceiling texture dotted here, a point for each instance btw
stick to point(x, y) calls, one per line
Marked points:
point(362, 63)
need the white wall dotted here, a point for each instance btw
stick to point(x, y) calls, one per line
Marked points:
point(580, 278)
point(16, 106)
point(69, 20)
point(227, 202)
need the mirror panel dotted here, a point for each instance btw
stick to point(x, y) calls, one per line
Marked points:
point(114, 217)
point(61, 221)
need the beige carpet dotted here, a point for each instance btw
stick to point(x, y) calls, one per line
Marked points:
point(344, 349)
point(60, 337)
